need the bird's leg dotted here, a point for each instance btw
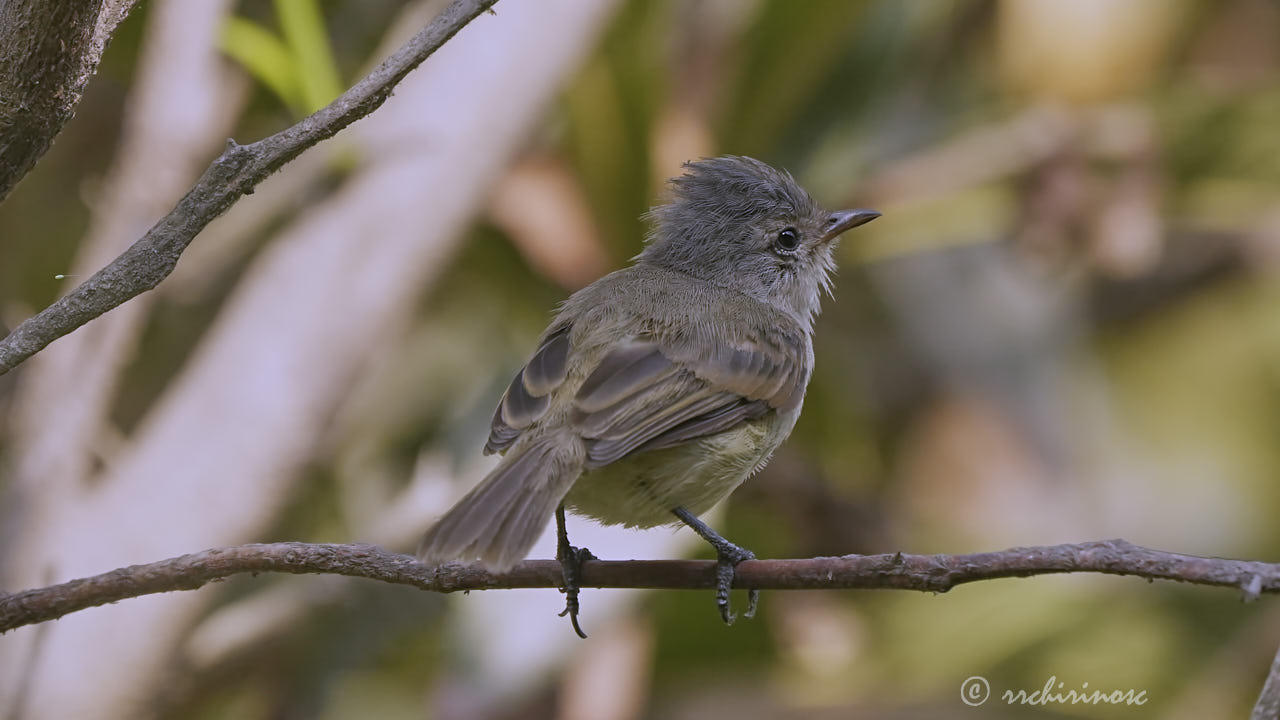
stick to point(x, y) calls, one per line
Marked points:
point(728, 556)
point(571, 559)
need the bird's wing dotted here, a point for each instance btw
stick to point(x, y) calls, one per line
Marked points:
point(529, 394)
point(647, 395)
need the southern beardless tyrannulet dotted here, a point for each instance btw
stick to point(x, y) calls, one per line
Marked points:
point(656, 390)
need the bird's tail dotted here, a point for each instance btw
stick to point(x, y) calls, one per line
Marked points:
point(499, 520)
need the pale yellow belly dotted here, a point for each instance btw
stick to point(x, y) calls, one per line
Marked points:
point(641, 490)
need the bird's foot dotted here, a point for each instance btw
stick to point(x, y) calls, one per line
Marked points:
point(571, 565)
point(728, 555)
point(571, 559)
point(727, 559)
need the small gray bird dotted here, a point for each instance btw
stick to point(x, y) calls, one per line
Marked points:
point(659, 388)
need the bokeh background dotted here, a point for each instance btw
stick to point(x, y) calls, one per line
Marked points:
point(1065, 327)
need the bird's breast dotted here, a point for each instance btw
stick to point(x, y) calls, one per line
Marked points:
point(642, 489)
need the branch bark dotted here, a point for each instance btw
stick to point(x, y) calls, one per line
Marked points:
point(1268, 705)
point(48, 52)
point(41, 76)
point(926, 573)
point(232, 175)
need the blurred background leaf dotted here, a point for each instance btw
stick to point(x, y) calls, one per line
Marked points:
point(297, 65)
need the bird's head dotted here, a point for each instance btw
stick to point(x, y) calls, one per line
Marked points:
point(737, 222)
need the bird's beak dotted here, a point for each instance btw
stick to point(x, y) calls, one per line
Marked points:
point(846, 220)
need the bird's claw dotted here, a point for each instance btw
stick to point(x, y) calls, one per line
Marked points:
point(728, 555)
point(571, 559)
point(571, 566)
point(727, 559)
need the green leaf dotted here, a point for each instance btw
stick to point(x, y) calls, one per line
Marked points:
point(266, 58)
point(308, 41)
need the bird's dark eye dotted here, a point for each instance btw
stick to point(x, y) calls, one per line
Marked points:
point(788, 239)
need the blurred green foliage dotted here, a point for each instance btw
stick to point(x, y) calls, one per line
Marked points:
point(297, 65)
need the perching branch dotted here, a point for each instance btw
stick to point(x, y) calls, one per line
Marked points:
point(928, 573)
point(233, 174)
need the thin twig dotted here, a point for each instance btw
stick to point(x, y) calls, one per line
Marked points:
point(927, 573)
point(1268, 706)
point(232, 175)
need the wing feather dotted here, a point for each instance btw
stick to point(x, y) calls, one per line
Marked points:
point(647, 395)
point(625, 371)
point(528, 396)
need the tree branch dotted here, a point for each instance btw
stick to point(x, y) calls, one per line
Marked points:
point(233, 174)
point(927, 573)
point(48, 52)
